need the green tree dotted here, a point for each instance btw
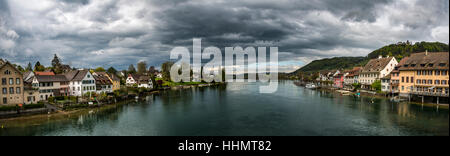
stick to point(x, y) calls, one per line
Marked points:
point(376, 85)
point(38, 67)
point(29, 67)
point(165, 70)
point(111, 70)
point(131, 69)
point(356, 85)
point(99, 69)
point(56, 64)
point(141, 67)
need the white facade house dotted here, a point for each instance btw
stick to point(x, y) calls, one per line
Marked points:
point(385, 83)
point(103, 83)
point(81, 82)
point(132, 79)
point(145, 82)
point(375, 70)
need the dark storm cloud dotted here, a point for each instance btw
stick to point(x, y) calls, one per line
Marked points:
point(88, 33)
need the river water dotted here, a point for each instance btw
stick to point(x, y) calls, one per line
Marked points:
point(239, 109)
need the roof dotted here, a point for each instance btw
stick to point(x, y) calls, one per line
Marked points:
point(80, 76)
point(26, 74)
point(114, 77)
point(426, 60)
point(388, 77)
point(102, 80)
point(8, 63)
point(135, 76)
point(51, 78)
point(44, 73)
point(76, 75)
point(401, 63)
point(376, 65)
point(71, 74)
point(355, 71)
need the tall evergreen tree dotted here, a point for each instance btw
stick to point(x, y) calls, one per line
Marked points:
point(39, 67)
point(142, 67)
point(111, 70)
point(56, 64)
point(131, 69)
point(29, 67)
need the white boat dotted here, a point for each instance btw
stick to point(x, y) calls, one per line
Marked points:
point(311, 86)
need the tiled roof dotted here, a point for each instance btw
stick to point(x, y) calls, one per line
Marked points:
point(51, 78)
point(427, 60)
point(76, 75)
point(376, 65)
point(80, 76)
point(102, 80)
point(44, 73)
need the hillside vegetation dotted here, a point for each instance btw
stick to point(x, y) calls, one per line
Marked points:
point(398, 50)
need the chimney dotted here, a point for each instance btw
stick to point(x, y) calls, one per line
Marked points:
point(380, 57)
point(426, 52)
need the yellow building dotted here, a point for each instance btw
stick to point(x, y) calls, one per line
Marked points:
point(425, 74)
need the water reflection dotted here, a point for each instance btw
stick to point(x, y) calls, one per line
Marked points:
point(239, 109)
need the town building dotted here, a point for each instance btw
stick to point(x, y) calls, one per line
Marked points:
point(11, 85)
point(145, 82)
point(386, 84)
point(425, 74)
point(352, 78)
point(338, 81)
point(51, 86)
point(112, 77)
point(395, 77)
point(375, 69)
point(103, 83)
point(132, 80)
point(80, 82)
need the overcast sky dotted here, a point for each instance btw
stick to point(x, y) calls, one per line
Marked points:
point(88, 33)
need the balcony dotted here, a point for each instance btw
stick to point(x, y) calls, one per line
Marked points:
point(430, 94)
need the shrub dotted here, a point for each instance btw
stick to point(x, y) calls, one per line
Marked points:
point(51, 99)
point(31, 106)
point(8, 108)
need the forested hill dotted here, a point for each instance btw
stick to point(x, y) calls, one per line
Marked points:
point(403, 49)
point(332, 63)
point(398, 50)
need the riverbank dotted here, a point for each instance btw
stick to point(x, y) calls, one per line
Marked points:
point(80, 107)
point(379, 96)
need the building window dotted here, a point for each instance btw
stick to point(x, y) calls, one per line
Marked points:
point(5, 91)
point(437, 72)
point(444, 82)
point(3, 81)
point(424, 81)
point(418, 81)
point(430, 81)
point(436, 82)
point(11, 90)
point(11, 81)
point(403, 88)
point(403, 79)
point(407, 79)
point(18, 90)
point(5, 100)
point(444, 72)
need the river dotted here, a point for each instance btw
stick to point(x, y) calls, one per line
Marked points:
point(239, 109)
